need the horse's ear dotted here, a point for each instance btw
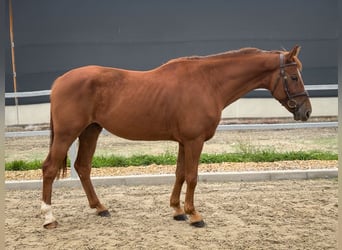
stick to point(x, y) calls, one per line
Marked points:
point(293, 53)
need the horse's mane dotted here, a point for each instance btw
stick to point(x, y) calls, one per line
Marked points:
point(231, 53)
point(244, 51)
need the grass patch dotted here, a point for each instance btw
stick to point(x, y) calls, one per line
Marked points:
point(245, 155)
point(135, 160)
point(23, 165)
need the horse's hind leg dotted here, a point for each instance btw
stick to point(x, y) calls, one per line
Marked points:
point(87, 145)
point(54, 162)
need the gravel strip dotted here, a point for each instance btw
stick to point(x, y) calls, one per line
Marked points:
point(170, 169)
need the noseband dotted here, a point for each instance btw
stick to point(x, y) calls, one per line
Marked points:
point(289, 100)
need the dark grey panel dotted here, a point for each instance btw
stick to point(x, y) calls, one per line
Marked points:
point(52, 37)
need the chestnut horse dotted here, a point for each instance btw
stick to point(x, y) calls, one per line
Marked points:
point(180, 101)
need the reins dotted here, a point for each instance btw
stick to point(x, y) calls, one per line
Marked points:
point(289, 100)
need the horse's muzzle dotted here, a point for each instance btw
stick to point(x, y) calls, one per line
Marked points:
point(303, 112)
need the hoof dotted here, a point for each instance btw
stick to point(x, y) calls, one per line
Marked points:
point(104, 213)
point(180, 217)
point(51, 225)
point(198, 224)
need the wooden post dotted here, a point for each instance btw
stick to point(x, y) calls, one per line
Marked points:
point(13, 58)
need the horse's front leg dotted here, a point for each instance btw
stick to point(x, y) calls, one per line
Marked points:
point(179, 213)
point(192, 154)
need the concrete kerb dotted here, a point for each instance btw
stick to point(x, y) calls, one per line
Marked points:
point(135, 180)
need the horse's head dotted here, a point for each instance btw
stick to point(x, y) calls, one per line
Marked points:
point(289, 89)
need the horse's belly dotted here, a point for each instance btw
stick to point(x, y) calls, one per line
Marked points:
point(139, 134)
point(139, 129)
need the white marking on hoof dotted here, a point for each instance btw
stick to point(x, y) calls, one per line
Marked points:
point(47, 212)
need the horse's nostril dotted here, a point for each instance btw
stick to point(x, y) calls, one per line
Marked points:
point(308, 113)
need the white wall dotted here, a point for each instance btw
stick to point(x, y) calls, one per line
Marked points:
point(243, 108)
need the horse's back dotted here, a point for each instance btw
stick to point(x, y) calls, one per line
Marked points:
point(72, 81)
point(85, 84)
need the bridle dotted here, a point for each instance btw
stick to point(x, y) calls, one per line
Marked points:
point(289, 100)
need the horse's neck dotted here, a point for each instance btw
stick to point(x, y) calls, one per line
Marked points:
point(237, 77)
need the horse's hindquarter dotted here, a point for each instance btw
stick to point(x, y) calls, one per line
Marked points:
point(149, 105)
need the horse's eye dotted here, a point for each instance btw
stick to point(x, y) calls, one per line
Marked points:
point(294, 78)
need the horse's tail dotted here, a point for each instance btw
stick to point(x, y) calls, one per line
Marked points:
point(63, 166)
point(51, 130)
